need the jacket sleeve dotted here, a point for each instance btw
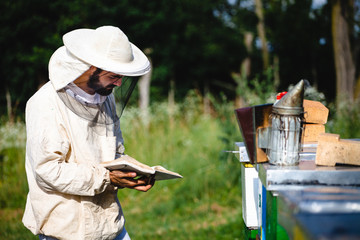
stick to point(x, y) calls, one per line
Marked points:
point(47, 147)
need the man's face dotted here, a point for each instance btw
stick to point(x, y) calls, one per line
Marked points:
point(103, 82)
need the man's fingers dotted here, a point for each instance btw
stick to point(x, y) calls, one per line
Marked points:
point(126, 179)
point(134, 182)
point(143, 188)
point(122, 174)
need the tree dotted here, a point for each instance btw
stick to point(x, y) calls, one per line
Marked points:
point(300, 37)
point(191, 46)
point(344, 60)
point(144, 92)
point(262, 33)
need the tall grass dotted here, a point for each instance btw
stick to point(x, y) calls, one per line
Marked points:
point(203, 205)
point(13, 184)
point(12, 152)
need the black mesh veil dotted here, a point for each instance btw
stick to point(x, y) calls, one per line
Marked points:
point(122, 94)
point(106, 112)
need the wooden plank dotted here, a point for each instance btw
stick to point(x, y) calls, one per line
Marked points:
point(315, 112)
point(312, 131)
point(332, 150)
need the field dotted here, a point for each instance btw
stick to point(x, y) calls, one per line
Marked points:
point(205, 204)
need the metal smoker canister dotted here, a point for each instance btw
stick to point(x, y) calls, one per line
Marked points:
point(287, 128)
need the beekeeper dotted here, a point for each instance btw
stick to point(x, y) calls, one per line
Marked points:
point(72, 125)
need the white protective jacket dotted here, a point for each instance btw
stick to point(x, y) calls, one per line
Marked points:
point(70, 195)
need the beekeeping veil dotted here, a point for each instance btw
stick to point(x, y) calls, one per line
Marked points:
point(106, 48)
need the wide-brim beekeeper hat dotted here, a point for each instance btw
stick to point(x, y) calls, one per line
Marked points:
point(107, 48)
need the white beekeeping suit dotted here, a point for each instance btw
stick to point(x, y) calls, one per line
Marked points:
point(69, 133)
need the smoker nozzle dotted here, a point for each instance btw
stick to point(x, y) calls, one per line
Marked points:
point(292, 102)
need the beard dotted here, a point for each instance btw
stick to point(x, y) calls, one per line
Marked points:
point(94, 83)
point(105, 91)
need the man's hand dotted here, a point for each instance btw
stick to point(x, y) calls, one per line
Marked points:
point(126, 179)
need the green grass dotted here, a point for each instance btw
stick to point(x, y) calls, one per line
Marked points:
point(13, 183)
point(205, 204)
point(11, 226)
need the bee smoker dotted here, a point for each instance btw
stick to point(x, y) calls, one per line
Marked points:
point(286, 121)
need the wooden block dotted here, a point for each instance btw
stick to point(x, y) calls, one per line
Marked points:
point(315, 112)
point(312, 131)
point(331, 150)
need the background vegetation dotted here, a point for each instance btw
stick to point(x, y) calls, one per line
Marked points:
point(198, 45)
point(202, 59)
